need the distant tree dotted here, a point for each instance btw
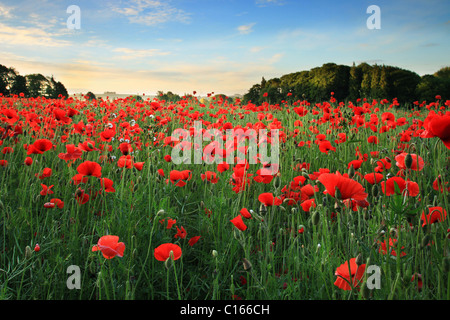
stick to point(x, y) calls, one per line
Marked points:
point(20, 86)
point(37, 85)
point(90, 96)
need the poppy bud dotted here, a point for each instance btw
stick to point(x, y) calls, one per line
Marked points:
point(408, 161)
point(262, 209)
point(316, 218)
point(393, 232)
point(90, 146)
point(359, 260)
point(305, 175)
point(277, 182)
point(247, 265)
point(160, 212)
point(37, 247)
point(365, 291)
point(351, 172)
point(337, 193)
point(169, 261)
point(375, 190)
point(214, 253)
point(28, 252)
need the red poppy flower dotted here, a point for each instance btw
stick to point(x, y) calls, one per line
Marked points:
point(166, 251)
point(179, 178)
point(107, 185)
point(73, 153)
point(435, 214)
point(348, 188)
point(349, 273)
point(28, 161)
point(210, 176)
point(373, 178)
point(221, 167)
point(47, 172)
point(110, 246)
point(238, 223)
point(125, 162)
point(58, 202)
point(417, 163)
point(193, 240)
point(386, 248)
point(245, 213)
point(437, 126)
point(139, 165)
point(181, 233)
point(325, 146)
point(388, 186)
point(40, 146)
point(269, 200)
point(46, 190)
point(90, 168)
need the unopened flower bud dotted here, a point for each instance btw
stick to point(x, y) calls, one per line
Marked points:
point(247, 264)
point(316, 218)
point(408, 161)
point(28, 252)
point(359, 260)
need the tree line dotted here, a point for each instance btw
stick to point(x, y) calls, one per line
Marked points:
point(350, 83)
point(31, 85)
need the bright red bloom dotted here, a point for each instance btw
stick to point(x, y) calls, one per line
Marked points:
point(437, 126)
point(107, 185)
point(269, 200)
point(210, 176)
point(139, 165)
point(46, 190)
point(239, 223)
point(73, 153)
point(179, 178)
point(245, 213)
point(58, 202)
point(40, 146)
point(47, 172)
point(386, 248)
point(388, 186)
point(193, 240)
point(349, 273)
point(110, 246)
point(166, 251)
point(28, 161)
point(417, 163)
point(348, 188)
point(435, 214)
point(373, 178)
point(181, 233)
point(90, 168)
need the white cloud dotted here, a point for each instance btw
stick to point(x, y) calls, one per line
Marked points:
point(246, 29)
point(151, 12)
point(30, 37)
point(132, 54)
point(5, 11)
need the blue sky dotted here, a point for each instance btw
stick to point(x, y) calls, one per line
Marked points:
point(221, 46)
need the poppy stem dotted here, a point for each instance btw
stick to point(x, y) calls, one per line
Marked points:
point(176, 280)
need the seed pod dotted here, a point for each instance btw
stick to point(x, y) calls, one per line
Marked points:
point(408, 161)
point(246, 264)
point(28, 252)
point(316, 218)
point(359, 260)
point(351, 172)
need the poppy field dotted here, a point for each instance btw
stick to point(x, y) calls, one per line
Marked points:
point(94, 206)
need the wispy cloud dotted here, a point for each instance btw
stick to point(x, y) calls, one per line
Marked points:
point(6, 12)
point(246, 29)
point(264, 3)
point(133, 54)
point(152, 12)
point(30, 37)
